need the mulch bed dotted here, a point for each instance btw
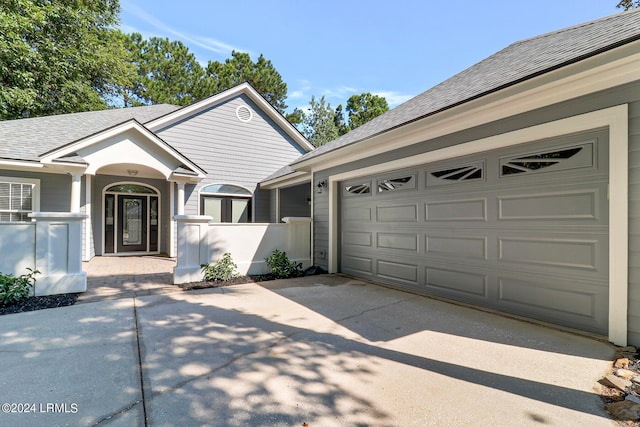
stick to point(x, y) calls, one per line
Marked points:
point(219, 283)
point(39, 303)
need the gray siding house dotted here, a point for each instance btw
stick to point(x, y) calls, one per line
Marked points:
point(130, 171)
point(514, 185)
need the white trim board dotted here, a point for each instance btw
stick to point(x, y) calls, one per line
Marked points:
point(614, 118)
point(289, 180)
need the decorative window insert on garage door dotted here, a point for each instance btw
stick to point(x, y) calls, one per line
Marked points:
point(532, 242)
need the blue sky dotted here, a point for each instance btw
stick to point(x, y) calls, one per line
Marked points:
point(396, 49)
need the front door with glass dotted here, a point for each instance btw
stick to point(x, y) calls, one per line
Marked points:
point(131, 219)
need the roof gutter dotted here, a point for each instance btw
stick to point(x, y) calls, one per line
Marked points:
point(293, 178)
point(20, 164)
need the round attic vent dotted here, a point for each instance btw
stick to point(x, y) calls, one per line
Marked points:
point(244, 114)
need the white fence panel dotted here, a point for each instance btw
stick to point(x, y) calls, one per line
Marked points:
point(17, 247)
point(200, 242)
point(51, 244)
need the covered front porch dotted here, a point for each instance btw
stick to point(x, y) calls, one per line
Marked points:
point(129, 183)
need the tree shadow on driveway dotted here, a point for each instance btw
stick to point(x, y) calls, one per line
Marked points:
point(247, 355)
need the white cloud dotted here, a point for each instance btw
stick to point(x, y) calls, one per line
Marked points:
point(302, 92)
point(216, 45)
point(300, 95)
point(393, 98)
point(206, 43)
point(297, 94)
point(341, 93)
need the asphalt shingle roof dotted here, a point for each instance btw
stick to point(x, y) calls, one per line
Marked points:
point(518, 62)
point(27, 139)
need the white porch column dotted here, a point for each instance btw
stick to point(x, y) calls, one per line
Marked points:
point(87, 221)
point(180, 198)
point(172, 221)
point(76, 181)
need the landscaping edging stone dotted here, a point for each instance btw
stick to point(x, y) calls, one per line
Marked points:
point(621, 393)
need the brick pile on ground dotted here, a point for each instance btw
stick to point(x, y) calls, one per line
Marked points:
point(622, 387)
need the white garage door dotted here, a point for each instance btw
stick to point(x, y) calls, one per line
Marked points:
point(522, 230)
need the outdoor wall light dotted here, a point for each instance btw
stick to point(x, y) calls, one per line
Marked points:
point(322, 185)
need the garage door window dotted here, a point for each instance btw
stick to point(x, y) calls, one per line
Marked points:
point(557, 160)
point(397, 184)
point(357, 189)
point(451, 175)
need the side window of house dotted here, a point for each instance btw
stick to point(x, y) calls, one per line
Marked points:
point(226, 203)
point(16, 201)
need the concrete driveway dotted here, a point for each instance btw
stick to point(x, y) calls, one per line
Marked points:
point(322, 350)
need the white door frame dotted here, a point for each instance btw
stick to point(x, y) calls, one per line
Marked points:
point(115, 225)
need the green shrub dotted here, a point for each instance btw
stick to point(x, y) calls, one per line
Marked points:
point(281, 267)
point(16, 289)
point(221, 270)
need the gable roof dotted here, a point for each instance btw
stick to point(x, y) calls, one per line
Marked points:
point(516, 63)
point(243, 88)
point(29, 139)
point(69, 151)
point(33, 139)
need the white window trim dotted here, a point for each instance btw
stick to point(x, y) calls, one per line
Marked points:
point(614, 118)
point(202, 193)
point(36, 188)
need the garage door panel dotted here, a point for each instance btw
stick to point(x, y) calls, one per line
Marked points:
point(551, 252)
point(398, 271)
point(398, 241)
point(583, 255)
point(401, 213)
point(457, 210)
point(456, 283)
point(357, 238)
point(577, 304)
point(358, 214)
point(562, 298)
point(522, 229)
point(574, 205)
point(360, 265)
point(452, 245)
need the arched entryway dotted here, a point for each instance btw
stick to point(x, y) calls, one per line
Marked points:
point(131, 219)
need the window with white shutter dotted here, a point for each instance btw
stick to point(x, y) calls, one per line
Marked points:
point(16, 201)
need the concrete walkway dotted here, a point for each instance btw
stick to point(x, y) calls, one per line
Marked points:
point(111, 278)
point(322, 350)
